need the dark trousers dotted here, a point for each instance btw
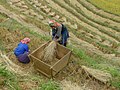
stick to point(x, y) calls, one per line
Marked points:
point(24, 58)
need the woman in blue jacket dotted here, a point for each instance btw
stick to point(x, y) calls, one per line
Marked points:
point(59, 31)
point(22, 51)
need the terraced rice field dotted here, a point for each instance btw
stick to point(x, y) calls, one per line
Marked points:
point(92, 29)
point(109, 6)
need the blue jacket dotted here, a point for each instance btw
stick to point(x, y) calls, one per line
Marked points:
point(21, 48)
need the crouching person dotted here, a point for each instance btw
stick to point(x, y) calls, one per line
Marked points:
point(22, 51)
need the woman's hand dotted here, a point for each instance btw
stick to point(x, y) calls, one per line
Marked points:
point(55, 39)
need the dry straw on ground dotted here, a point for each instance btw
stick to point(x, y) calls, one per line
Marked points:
point(15, 67)
point(68, 85)
point(50, 52)
point(97, 74)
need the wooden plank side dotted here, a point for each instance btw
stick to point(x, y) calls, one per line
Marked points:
point(65, 48)
point(49, 76)
point(30, 57)
point(61, 51)
point(41, 66)
point(38, 52)
point(39, 49)
point(61, 63)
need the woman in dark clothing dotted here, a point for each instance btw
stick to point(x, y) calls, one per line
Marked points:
point(59, 31)
point(22, 51)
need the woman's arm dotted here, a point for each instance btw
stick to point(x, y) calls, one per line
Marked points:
point(58, 34)
point(26, 48)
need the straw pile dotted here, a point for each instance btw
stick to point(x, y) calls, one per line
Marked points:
point(10, 65)
point(97, 74)
point(50, 52)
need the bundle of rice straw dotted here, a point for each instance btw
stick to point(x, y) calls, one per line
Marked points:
point(50, 52)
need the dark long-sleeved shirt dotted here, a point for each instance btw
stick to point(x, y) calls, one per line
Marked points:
point(56, 32)
point(60, 32)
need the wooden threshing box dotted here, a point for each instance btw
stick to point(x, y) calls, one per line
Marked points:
point(62, 58)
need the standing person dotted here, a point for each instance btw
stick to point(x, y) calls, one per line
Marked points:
point(59, 31)
point(22, 51)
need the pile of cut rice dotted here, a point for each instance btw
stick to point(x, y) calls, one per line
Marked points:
point(50, 52)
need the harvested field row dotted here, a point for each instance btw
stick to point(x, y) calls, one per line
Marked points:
point(101, 49)
point(105, 46)
point(12, 37)
point(26, 12)
point(49, 12)
point(88, 39)
point(85, 39)
point(105, 50)
point(30, 12)
point(73, 72)
point(98, 45)
point(77, 20)
point(92, 50)
point(103, 29)
point(19, 19)
point(92, 16)
point(99, 11)
point(112, 6)
point(66, 71)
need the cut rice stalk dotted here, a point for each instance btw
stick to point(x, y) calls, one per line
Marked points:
point(50, 52)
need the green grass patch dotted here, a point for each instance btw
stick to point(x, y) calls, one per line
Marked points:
point(11, 80)
point(13, 25)
point(73, 21)
point(77, 15)
point(2, 16)
point(50, 85)
point(86, 60)
point(102, 15)
point(89, 17)
point(112, 6)
point(7, 6)
point(97, 62)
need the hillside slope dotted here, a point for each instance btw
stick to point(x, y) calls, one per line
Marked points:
point(94, 36)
